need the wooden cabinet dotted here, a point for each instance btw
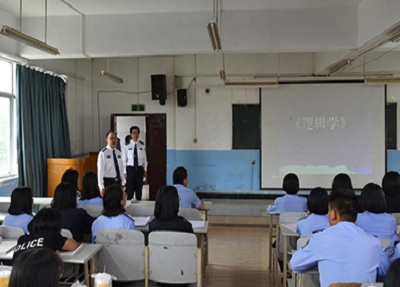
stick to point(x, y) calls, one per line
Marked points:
point(57, 166)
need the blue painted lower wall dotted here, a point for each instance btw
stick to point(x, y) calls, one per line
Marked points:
point(208, 170)
point(229, 170)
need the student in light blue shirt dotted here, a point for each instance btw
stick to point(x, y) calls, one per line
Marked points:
point(317, 219)
point(291, 202)
point(372, 215)
point(343, 252)
point(90, 190)
point(114, 217)
point(20, 210)
point(187, 197)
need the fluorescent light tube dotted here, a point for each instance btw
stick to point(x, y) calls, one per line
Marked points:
point(28, 40)
point(112, 77)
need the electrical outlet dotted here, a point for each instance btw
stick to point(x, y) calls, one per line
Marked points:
point(195, 140)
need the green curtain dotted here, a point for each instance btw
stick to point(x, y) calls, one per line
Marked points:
point(42, 126)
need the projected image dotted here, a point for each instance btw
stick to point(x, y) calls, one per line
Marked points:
point(325, 145)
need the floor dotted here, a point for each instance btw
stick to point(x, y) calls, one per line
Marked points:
point(238, 257)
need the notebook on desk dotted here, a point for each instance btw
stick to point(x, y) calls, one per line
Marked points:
point(71, 253)
point(141, 220)
point(197, 223)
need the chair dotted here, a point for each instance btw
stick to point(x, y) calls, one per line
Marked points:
point(191, 213)
point(301, 242)
point(345, 285)
point(174, 258)
point(11, 232)
point(123, 254)
point(92, 209)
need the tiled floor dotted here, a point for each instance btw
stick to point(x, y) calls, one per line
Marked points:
point(238, 257)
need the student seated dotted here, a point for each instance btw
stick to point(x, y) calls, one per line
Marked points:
point(39, 267)
point(20, 210)
point(343, 252)
point(392, 278)
point(90, 190)
point(372, 216)
point(187, 197)
point(77, 220)
point(71, 176)
point(114, 217)
point(44, 231)
point(317, 210)
point(391, 188)
point(291, 202)
point(166, 212)
point(341, 181)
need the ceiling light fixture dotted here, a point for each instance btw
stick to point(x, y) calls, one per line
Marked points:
point(111, 76)
point(247, 84)
point(382, 80)
point(29, 40)
point(212, 28)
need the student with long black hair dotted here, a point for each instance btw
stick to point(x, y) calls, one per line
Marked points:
point(74, 219)
point(20, 210)
point(90, 190)
point(166, 212)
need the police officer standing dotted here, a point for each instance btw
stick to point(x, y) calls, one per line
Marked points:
point(110, 167)
point(135, 162)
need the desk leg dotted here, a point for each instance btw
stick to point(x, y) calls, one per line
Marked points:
point(270, 243)
point(92, 267)
point(86, 271)
point(285, 249)
point(275, 264)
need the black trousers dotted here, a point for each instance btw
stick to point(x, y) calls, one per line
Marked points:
point(134, 182)
point(110, 180)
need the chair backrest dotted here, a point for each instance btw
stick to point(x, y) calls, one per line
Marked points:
point(302, 241)
point(123, 253)
point(4, 206)
point(66, 233)
point(345, 285)
point(140, 210)
point(190, 213)
point(92, 210)
point(291, 217)
point(174, 258)
point(11, 232)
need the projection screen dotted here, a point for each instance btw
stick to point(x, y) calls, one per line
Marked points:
point(320, 130)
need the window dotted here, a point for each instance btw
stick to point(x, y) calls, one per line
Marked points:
point(8, 150)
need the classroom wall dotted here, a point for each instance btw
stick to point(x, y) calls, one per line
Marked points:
point(211, 162)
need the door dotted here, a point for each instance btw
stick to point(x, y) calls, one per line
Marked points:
point(154, 134)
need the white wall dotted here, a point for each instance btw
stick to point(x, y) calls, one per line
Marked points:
point(8, 45)
point(207, 117)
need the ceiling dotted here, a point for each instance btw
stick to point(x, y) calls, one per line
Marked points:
point(36, 8)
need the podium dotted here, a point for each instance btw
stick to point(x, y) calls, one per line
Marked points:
point(57, 166)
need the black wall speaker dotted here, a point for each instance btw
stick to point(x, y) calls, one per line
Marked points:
point(182, 97)
point(158, 87)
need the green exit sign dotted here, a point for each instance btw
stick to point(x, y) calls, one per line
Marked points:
point(137, 108)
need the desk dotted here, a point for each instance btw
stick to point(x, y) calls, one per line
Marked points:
point(36, 200)
point(207, 208)
point(86, 255)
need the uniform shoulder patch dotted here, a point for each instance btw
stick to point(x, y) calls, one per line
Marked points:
point(104, 149)
point(141, 142)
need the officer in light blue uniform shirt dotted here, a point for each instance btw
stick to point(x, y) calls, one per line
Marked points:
point(21, 220)
point(114, 217)
point(317, 209)
point(343, 252)
point(291, 202)
point(373, 217)
point(92, 201)
point(187, 197)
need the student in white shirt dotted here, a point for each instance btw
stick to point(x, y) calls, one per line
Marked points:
point(20, 210)
point(317, 209)
point(291, 202)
